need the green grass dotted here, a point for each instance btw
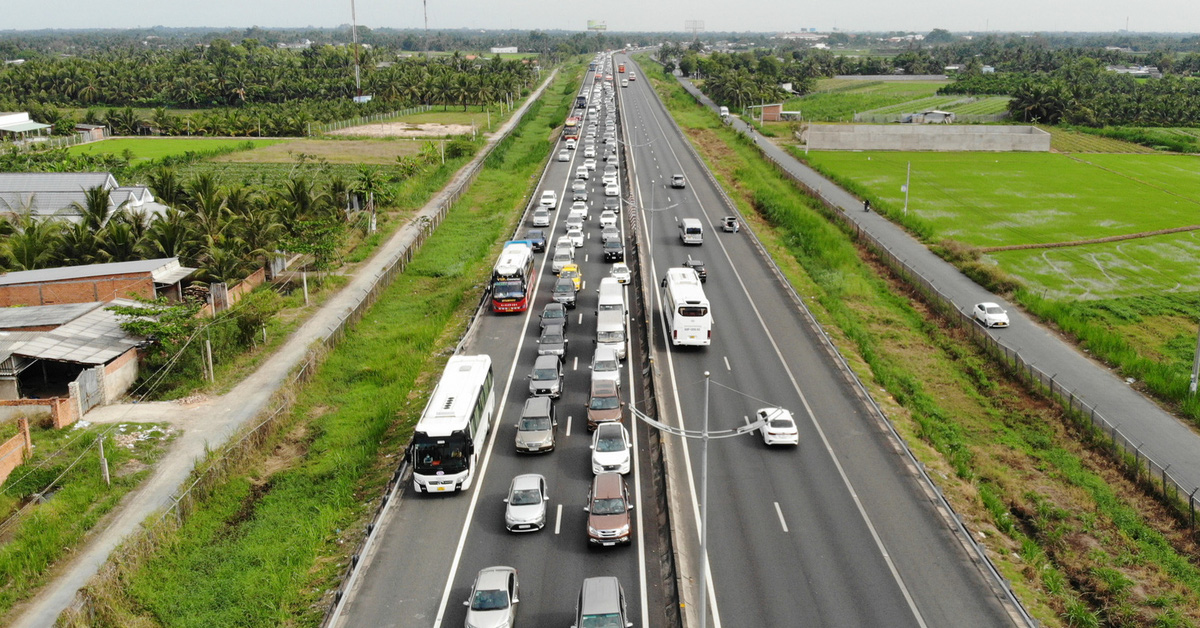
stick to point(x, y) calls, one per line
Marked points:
point(1068, 141)
point(1010, 464)
point(849, 97)
point(145, 149)
point(36, 539)
point(265, 547)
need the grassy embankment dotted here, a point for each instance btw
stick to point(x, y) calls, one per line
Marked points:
point(1129, 302)
point(36, 534)
point(1081, 544)
point(270, 542)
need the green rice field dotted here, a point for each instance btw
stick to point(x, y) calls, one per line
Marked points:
point(144, 148)
point(990, 199)
point(842, 98)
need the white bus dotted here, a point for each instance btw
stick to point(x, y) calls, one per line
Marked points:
point(453, 427)
point(689, 321)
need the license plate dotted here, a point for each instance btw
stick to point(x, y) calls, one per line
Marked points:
point(441, 488)
point(609, 543)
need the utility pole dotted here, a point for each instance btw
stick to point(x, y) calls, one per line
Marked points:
point(1195, 368)
point(907, 181)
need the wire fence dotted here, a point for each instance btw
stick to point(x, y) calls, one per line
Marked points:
point(967, 118)
point(318, 128)
point(1151, 474)
point(229, 459)
point(50, 143)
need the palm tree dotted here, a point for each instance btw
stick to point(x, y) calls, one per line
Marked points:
point(171, 236)
point(96, 208)
point(34, 243)
point(79, 245)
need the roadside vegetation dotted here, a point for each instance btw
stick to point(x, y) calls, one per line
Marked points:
point(268, 545)
point(49, 503)
point(1082, 545)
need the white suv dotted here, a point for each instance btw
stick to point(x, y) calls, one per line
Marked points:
point(549, 199)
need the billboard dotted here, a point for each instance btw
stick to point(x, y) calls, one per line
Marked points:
point(597, 25)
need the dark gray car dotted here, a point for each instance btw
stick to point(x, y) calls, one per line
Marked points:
point(564, 292)
point(554, 314)
point(553, 341)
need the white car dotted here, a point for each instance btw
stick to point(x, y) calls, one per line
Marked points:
point(582, 172)
point(620, 272)
point(563, 241)
point(549, 199)
point(590, 164)
point(574, 222)
point(778, 427)
point(609, 178)
point(612, 190)
point(608, 218)
point(590, 151)
point(579, 206)
point(579, 212)
point(571, 144)
point(610, 448)
point(576, 236)
point(990, 315)
point(526, 509)
point(541, 217)
point(563, 155)
point(579, 186)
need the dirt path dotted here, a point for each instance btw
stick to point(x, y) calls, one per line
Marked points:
point(210, 423)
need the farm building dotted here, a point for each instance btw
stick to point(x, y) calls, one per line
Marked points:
point(95, 282)
point(46, 195)
point(17, 126)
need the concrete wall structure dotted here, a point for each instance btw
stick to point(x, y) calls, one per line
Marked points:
point(119, 375)
point(14, 450)
point(930, 138)
point(61, 410)
point(78, 291)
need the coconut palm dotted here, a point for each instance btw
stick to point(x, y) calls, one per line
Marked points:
point(33, 243)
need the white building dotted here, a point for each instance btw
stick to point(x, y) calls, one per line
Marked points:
point(499, 50)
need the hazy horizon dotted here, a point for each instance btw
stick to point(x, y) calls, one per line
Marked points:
point(769, 16)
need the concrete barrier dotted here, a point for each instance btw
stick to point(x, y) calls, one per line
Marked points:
point(926, 137)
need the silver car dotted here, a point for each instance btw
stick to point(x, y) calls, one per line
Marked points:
point(526, 510)
point(493, 601)
point(545, 380)
point(537, 427)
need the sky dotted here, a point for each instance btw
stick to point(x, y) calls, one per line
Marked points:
point(619, 15)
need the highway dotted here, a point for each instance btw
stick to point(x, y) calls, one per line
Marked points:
point(835, 532)
point(431, 547)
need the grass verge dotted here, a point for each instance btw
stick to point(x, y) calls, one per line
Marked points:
point(269, 543)
point(36, 533)
point(1081, 544)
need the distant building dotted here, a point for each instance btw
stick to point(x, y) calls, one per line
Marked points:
point(47, 195)
point(500, 50)
point(928, 117)
point(303, 44)
point(1136, 71)
point(17, 126)
point(987, 69)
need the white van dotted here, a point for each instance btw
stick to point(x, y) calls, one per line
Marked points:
point(610, 331)
point(724, 112)
point(691, 231)
point(612, 296)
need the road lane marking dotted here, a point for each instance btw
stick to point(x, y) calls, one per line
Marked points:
point(780, 513)
point(568, 425)
point(581, 318)
point(727, 367)
point(558, 520)
point(575, 366)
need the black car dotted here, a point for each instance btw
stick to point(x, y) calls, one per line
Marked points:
point(614, 251)
point(613, 203)
point(537, 239)
point(564, 292)
point(697, 266)
point(553, 341)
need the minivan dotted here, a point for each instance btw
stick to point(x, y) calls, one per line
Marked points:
point(608, 519)
point(537, 426)
point(610, 331)
point(604, 403)
point(612, 296)
point(606, 365)
point(545, 380)
point(690, 231)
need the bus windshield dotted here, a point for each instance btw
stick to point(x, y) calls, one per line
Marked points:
point(508, 289)
point(693, 310)
point(447, 454)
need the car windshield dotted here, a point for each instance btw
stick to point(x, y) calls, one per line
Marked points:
point(613, 506)
point(554, 313)
point(610, 444)
point(493, 600)
point(610, 336)
point(544, 374)
point(534, 424)
point(781, 424)
point(994, 310)
point(604, 403)
point(564, 287)
point(525, 497)
point(568, 274)
point(610, 620)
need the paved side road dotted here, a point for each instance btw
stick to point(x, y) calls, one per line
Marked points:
point(210, 424)
point(1166, 439)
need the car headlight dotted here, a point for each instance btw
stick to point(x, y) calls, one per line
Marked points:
point(593, 531)
point(623, 529)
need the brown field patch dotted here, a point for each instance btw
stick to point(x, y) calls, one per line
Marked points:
point(404, 129)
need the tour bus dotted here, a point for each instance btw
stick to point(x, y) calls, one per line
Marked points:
point(689, 321)
point(453, 428)
point(571, 130)
point(513, 277)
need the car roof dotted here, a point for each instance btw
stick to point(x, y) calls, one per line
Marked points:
point(493, 577)
point(605, 352)
point(608, 483)
point(532, 403)
point(614, 427)
point(544, 361)
point(553, 328)
point(527, 481)
point(554, 305)
point(564, 280)
point(603, 386)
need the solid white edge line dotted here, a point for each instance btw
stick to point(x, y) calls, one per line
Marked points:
point(779, 512)
point(478, 482)
point(912, 605)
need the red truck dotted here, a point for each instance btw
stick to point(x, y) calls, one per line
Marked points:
point(621, 69)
